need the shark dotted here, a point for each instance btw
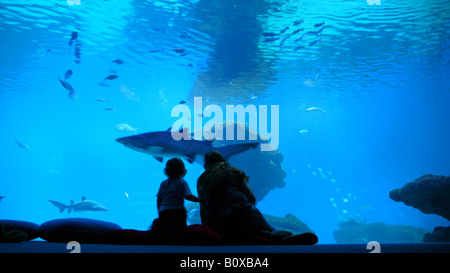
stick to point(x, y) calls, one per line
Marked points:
point(161, 144)
point(83, 205)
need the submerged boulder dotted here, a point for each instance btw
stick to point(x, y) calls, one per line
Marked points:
point(288, 223)
point(439, 234)
point(429, 193)
point(353, 232)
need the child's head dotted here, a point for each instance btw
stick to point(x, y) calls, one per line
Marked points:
point(175, 168)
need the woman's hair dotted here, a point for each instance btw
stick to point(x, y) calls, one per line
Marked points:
point(175, 168)
point(212, 158)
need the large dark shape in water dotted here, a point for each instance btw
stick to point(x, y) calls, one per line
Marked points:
point(429, 193)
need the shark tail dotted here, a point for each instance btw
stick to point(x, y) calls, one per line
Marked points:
point(230, 150)
point(60, 206)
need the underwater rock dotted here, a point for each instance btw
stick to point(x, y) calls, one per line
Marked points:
point(439, 234)
point(353, 232)
point(288, 223)
point(429, 193)
point(263, 167)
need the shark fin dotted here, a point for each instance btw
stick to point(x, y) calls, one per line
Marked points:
point(190, 157)
point(60, 206)
point(159, 158)
point(83, 198)
point(71, 202)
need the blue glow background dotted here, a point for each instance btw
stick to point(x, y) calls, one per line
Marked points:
point(380, 72)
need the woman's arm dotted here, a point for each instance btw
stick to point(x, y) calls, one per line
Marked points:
point(245, 189)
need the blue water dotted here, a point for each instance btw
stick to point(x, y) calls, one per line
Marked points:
point(379, 71)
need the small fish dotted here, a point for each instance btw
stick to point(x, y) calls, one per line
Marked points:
point(270, 39)
point(77, 52)
point(319, 24)
point(269, 34)
point(155, 50)
point(73, 36)
point(179, 50)
point(111, 77)
point(299, 47)
point(192, 213)
point(102, 99)
point(298, 22)
point(182, 102)
point(320, 31)
point(110, 108)
point(314, 42)
point(283, 41)
point(66, 85)
point(300, 38)
point(67, 74)
point(284, 30)
point(126, 195)
point(297, 31)
point(23, 146)
point(312, 109)
point(117, 61)
point(73, 95)
point(304, 131)
point(124, 127)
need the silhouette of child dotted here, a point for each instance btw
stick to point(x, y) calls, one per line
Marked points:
point(171, 195)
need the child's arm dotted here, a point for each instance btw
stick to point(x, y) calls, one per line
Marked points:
point(194, 198)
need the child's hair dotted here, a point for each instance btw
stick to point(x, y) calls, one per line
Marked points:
point(175, 168)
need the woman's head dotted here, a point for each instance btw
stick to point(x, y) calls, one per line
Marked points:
point(175, 168)
point(212, 158)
